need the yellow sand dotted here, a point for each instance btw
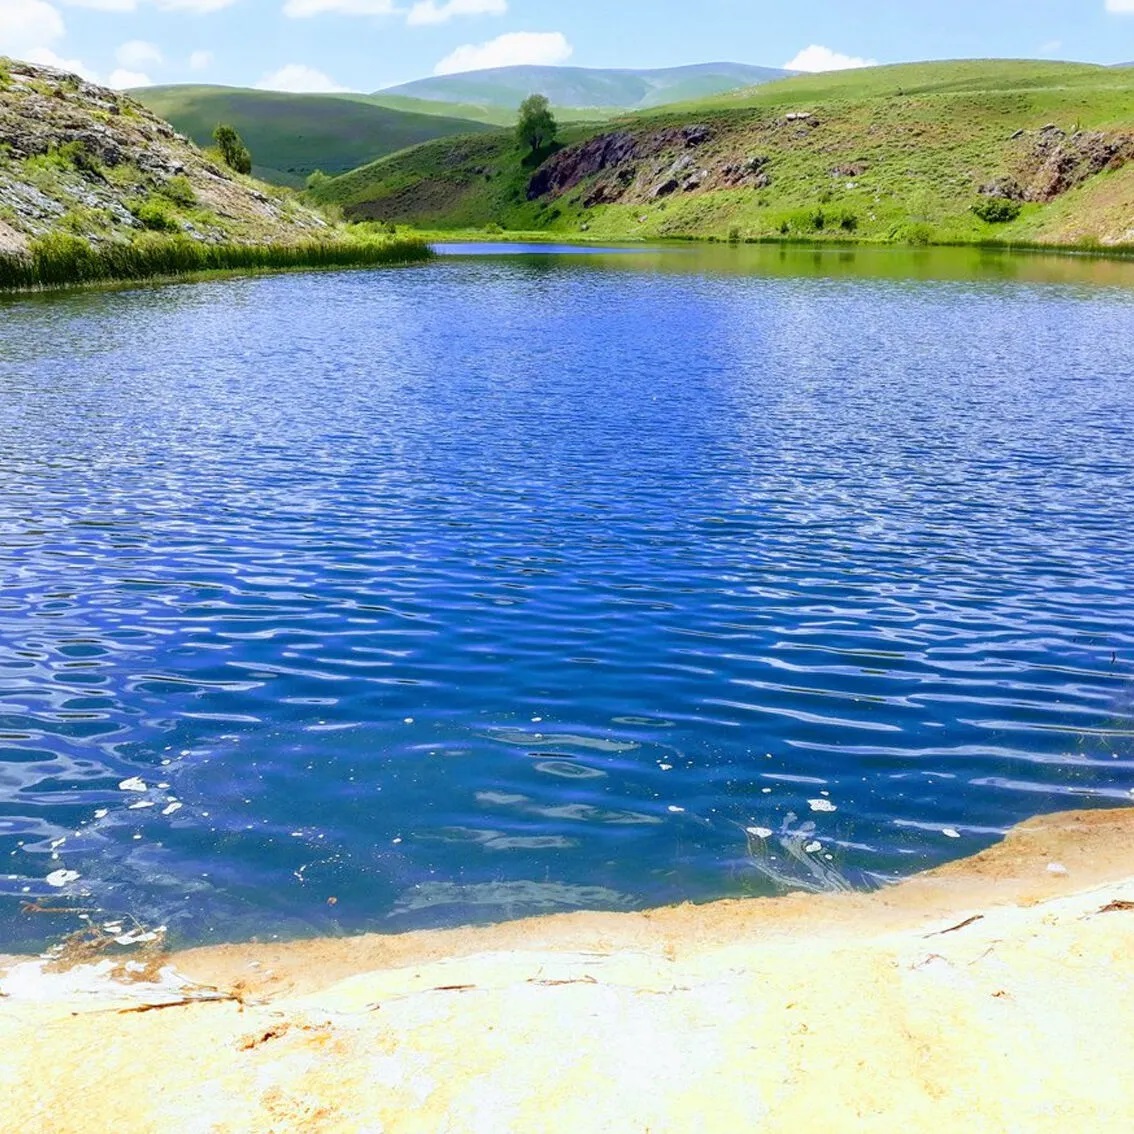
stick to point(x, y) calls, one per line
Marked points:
point(852, 1012)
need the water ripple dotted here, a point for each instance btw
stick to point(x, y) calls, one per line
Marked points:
point(314, 589)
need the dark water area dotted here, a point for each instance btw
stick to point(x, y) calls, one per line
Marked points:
point(522, 583)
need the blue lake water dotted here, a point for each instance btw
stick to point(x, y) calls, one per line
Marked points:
point(509, 584)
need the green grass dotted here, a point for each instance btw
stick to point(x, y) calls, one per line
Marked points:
point(908, 80)
point(490, 115)
point(61, 260)
point(292, 135)
point(920, 141)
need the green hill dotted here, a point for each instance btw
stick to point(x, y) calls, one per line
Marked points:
point(585, 87)
point(93, 186)
point(489, 115)
point(964, 150)
point(292, 135)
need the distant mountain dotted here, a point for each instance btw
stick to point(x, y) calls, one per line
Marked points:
point(507, 87)
point(292, 135)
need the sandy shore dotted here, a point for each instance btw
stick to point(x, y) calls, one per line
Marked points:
point(996, 994)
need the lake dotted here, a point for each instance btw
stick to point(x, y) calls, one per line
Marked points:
point(529, 581)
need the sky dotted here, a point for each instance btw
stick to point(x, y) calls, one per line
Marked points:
point(328, 45)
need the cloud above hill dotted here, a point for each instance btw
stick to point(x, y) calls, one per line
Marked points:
point(511, 50)
point(818, 58)
point(298, 78)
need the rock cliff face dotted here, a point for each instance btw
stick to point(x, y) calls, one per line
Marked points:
point(637, 168)
point(1049, 162)
point(78, 158)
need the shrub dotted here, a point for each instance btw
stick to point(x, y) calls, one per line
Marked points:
point(232, 148)
point(734, 235)
point(5, 73)
point(156, 213)
point(537, 127)
point(179, 190)
point(997, 210)
point(918, 234)
point(493, 229)
point(77, 156)
point(805, 221)
point(317, 179)
point(848, 221)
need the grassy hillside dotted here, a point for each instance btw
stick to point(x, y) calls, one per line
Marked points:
point(488, 115)
point(1041, 151)
point(292, 135)
point(610, 90)
point(93, 186)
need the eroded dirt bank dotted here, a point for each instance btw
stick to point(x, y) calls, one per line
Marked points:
point(994, 994)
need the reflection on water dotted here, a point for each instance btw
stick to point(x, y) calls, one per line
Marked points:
point(516, 583)
point(967, 264)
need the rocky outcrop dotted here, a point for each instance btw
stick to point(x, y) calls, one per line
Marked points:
point(635, 168)
point(1054, 162)
point(567, 168)
point(79, 158)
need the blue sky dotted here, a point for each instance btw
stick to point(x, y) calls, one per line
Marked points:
point(367, 44)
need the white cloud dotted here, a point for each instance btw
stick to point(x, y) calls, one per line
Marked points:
point(193, 7)
point(200, 60)
point(816, 58)
point(196, 7)
point(430, 12)
point(1120, 7)
point(104, 5)
point(45, 57)
point(540, 48)
point(120, 79)
point(299, 79)
point(27, 24)
point(137, 53)
point(298, 9)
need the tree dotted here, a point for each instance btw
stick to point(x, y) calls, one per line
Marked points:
point(233, 149)
point(537, 126)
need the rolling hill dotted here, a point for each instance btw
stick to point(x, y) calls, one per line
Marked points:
point(489, 115)
point(583, 87)
point(95, 187)
point(292, 135)
point(946, 151)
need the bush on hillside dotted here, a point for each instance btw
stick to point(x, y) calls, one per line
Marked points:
point(179, 190)
point(537, 127)
point(918, 234)
point(997, 210)
point(156, 213)
point(233, 150)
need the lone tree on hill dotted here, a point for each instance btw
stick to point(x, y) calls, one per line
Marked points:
point(233, 149)
point(537, 126)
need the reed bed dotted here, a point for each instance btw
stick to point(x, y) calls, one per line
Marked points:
point(62, 260)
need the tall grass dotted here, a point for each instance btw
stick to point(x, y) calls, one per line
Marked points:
point(60, 259)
